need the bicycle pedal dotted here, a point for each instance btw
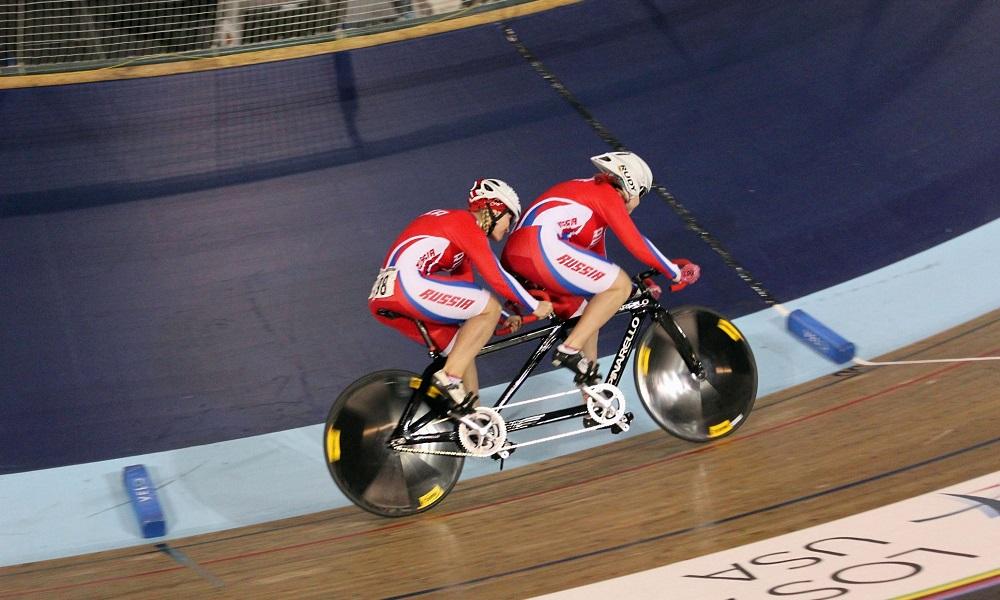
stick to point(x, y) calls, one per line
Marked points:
point(504, 453)
point(615, 428)
point(618, 427)
point(585, 371)
point(465, 408)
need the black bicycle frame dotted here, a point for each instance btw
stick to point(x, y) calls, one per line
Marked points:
point(641, 305)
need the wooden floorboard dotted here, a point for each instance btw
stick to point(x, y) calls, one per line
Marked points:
point(832, 447)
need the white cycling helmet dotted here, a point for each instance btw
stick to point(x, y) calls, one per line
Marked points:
point(632, 173)
point(496, 196)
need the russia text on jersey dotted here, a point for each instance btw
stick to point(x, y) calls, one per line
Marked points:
point(447, 299)
point(583, 269)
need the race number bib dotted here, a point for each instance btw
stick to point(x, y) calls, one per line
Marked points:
point(385, 284)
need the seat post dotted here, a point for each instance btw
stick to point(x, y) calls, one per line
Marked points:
point(432, 350)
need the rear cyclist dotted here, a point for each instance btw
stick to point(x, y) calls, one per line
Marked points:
point(560, 246)
point(427, 275)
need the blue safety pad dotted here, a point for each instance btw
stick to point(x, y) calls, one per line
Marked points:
point(818, 336)
point(145, 503)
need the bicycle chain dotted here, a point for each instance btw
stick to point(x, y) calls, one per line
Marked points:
point(435, 452)
point(506, 448)
point(401, 448)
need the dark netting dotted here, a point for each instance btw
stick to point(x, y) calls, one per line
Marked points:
point(54, 35)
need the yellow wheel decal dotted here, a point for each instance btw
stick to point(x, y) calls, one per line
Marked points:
point(730, 330)
point(719, 429)
point(431, 497)
point(332, 444)
point(431, 391)
point(644, 352)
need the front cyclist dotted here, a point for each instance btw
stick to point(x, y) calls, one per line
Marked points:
point(427, 275)
point(559, 246)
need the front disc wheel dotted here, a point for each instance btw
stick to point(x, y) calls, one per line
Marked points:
point(688, 408)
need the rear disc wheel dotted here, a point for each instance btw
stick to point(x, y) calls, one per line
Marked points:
point(361, 462)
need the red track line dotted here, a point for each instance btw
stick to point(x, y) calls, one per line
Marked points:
point(70, 586)
point(180, 567)
point(701, 449)
point(973, 586)
point(560, 488)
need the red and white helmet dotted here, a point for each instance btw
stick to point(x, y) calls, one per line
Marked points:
point(631, 171)
point(497, 196)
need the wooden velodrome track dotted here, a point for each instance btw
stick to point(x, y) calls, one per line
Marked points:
point(833, 447)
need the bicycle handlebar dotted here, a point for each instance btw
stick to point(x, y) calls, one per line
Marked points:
point(645, 275)
point(643, 281)
point(506, 330)
point(536, 293)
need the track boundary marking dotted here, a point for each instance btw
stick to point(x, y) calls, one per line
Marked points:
point(673, 457)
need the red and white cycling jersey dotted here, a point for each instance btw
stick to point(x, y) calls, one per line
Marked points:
point(428, 275)
point(560, 241)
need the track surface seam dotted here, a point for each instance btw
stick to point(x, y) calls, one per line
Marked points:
point(667, 459)
point(707, 524)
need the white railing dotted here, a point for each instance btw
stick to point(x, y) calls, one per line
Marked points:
point(53, 35)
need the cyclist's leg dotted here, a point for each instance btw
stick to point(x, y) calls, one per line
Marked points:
point(588, 275)
point(469, 340)
point(452, 306)
point(565, 270)
point(600, 308)
point(589, 347)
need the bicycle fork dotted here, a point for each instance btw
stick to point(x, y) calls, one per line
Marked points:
point(682, 343)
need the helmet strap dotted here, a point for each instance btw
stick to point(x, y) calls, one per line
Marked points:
point(488, 219)
point(616, 183)
point(495, 218)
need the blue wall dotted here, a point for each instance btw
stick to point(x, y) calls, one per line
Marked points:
point(186, 259)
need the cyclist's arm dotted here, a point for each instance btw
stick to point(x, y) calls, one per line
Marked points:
point(601, 247)
point(478, 252)
point(639, 245)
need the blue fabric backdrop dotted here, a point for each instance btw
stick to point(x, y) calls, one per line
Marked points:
point(185, 259)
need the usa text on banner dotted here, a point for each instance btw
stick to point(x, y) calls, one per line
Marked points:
point(923, 543)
